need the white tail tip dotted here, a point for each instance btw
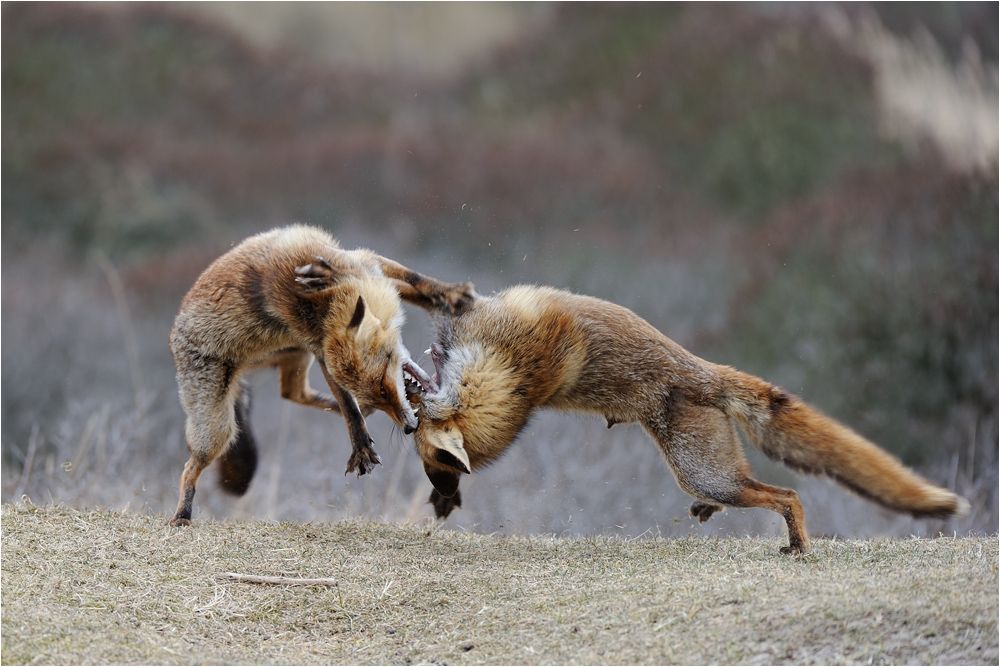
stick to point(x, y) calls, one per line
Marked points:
point(962, 507)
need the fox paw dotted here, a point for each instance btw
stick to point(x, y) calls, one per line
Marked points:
point(459, 298)
point(180, 522)
point(443, 505)
point(362, 461)
point(794, 550)
point(704, 511)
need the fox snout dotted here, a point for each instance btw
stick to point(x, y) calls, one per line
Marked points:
point(409, 423)
point(415, 383)
point(402, 413)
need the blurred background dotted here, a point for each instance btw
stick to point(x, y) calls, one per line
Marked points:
point(806, 192)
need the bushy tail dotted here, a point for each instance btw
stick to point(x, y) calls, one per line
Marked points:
point(238, 463)
point(786, 429)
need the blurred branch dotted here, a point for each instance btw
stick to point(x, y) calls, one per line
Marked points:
point(128, 331)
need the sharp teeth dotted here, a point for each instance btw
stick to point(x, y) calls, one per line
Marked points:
point(427, 351)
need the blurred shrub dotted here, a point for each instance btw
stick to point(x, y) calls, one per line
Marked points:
point(879, 302)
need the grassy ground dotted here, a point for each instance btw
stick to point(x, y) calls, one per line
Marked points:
point(105, 587)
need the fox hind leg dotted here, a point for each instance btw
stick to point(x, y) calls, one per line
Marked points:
point(293, 377)
point(704, 453)
point(783, 501)
point(208, 393)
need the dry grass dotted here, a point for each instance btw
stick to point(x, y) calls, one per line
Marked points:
point(105, 587)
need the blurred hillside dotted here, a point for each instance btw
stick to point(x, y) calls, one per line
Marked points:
point(779, 190)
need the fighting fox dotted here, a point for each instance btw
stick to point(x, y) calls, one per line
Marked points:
point(284, 298)
point(534, 347)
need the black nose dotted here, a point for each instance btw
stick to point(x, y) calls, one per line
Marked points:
point(409, 429)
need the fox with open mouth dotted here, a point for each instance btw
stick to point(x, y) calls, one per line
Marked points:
point(284, 298)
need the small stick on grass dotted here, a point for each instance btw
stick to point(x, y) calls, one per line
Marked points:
point(280, 581)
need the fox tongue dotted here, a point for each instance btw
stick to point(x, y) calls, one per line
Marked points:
point(425, 382)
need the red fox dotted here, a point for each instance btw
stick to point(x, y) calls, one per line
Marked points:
point(538, 347)
point(283, 298)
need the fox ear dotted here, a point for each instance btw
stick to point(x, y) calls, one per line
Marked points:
point(363, 324)
point(449, 449)
point(318, 276)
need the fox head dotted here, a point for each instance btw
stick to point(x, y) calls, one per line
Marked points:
point(441, 446)
point(362, 347)
point(472, 418)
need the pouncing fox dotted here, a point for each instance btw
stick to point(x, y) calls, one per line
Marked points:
point(283, 298)
point(538, 347)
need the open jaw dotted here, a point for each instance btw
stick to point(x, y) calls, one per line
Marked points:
point(414, 374)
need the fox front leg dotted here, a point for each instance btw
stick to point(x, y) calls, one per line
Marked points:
point(363, 457)
point(443, 505)
point(704, 511)
point(426, 292)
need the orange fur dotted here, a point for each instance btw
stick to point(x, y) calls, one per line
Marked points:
point(283, 298)
point(538, 347)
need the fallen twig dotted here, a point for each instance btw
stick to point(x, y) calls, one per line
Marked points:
point(281, 581)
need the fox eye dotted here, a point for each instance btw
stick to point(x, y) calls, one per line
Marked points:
point(383, 392)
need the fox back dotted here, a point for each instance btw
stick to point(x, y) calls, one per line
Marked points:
point(250, 304)
point(539, 347)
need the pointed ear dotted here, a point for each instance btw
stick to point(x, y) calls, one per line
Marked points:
point(359, 313)
point(449, 449)
point(446, 483)
point(363, 324)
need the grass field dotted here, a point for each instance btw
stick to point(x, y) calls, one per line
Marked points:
point(104, 587)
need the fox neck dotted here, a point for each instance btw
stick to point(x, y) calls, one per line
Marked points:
point(482, 398)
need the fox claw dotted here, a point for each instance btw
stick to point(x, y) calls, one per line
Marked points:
point(362, 462)
point(444, 505)
point(460, 298)
point(794, 551)
point(704, 511)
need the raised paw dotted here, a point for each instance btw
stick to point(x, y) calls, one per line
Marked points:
point(459, 298)
point(443, 505)
point(704, 511)
point(362, 461)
